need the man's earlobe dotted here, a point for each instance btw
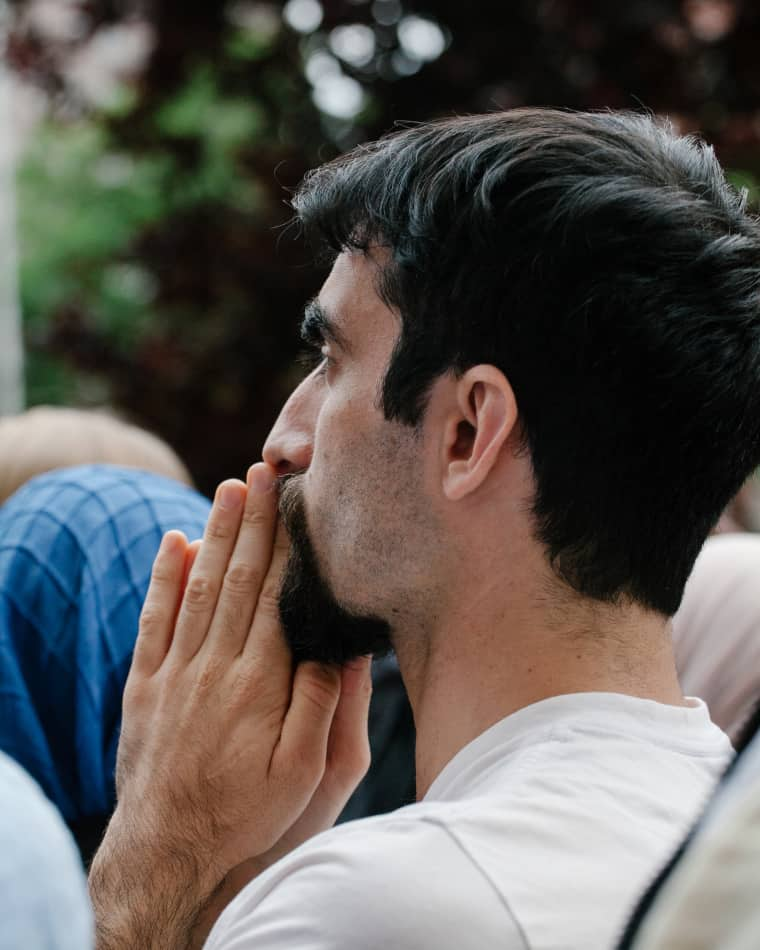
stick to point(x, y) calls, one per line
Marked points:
point(483, 420)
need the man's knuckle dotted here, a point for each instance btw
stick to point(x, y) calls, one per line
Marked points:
point(218, 530)
point(347, 774)
point(251, 682)
point(320, 692)
point(133, 694)
point(356, 765)
point(199, 593)
point(209, 674)
point(161, 575)
point(307, 761)
point(269, 599)
point(151, 618)
point(255, 518)
point(241, 578)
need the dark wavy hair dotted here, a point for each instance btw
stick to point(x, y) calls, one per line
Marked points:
point(605, 265)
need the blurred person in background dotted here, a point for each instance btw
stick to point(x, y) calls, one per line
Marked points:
point(537, 385)
point(716, 632)
point(706, 895)
point(43, 892)
point(49, 437)
point(743, 512)
point(76, 547)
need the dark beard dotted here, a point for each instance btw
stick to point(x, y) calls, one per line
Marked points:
point(316, 626)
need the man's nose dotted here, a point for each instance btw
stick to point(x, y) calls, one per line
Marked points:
point(289, 446)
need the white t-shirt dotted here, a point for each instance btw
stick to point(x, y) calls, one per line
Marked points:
point(541, 833)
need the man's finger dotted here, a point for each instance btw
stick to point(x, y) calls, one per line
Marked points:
point(348, 754)
point(265, 638)
point(248, 566)
point(161, 603)
point(306, 729)
point(205, 579)
point(190, 555)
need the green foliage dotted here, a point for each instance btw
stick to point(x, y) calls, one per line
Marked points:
point(219, 125)
point(50, 381)
point(247, 45)
point(80, 205)
point(84, 206)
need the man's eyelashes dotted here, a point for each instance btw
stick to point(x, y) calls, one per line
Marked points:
point(313, 356)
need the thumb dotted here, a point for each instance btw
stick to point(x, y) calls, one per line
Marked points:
point(348, 753)
point(306, 727)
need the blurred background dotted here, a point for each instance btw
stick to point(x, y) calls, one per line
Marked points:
point(148, 149)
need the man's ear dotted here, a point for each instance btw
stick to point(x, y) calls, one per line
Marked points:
point(477, 427)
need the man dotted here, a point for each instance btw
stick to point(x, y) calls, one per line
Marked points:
point(538, 386)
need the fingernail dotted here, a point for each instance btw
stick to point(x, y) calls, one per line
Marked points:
point(260, 478)
point(229, 495)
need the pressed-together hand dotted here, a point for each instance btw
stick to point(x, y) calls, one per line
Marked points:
point(228, 757)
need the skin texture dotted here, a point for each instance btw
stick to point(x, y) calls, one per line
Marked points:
point(228, 757)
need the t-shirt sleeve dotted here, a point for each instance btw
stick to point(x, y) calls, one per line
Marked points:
point(372, 884)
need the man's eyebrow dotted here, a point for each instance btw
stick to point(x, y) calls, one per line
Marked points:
point(318, 326)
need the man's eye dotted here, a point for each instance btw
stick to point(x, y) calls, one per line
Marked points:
point(327, 362)
point(315, 357)
point(310, 358)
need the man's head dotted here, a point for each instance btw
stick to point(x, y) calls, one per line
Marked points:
point(603, 267)
point(359, 515)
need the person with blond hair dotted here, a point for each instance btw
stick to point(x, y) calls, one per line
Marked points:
point(48, 437)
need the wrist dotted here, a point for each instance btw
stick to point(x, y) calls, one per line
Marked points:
point(145, 891)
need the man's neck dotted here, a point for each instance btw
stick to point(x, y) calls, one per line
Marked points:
point(497, 654)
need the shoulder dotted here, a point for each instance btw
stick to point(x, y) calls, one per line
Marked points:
point(31, 829)
point(401, 880)
point(72, 529)
point(100, 491)
point(41, 876)
point(92, 514)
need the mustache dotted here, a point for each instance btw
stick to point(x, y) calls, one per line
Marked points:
point(290, 500)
